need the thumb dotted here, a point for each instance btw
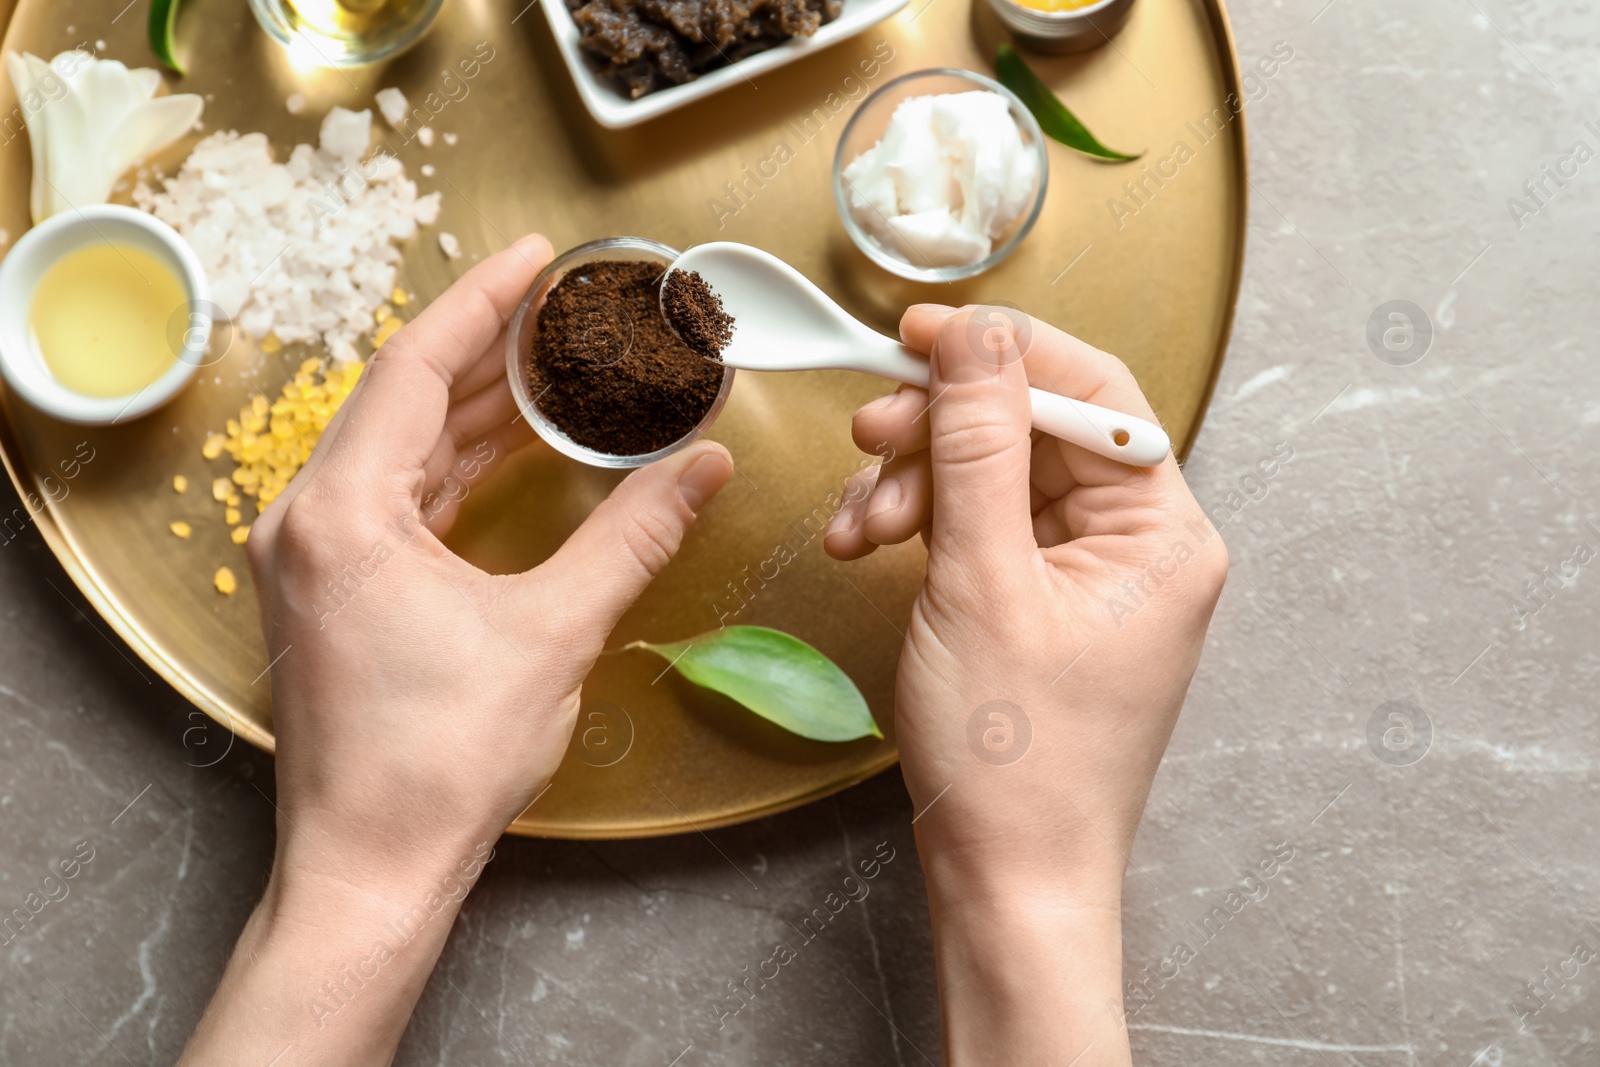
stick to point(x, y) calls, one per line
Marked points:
point(632, 535)
point(980, 419)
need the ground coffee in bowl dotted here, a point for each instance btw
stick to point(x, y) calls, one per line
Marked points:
point(606, 369)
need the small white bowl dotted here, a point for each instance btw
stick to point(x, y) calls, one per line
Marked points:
point(612, 108)
point(24, 368)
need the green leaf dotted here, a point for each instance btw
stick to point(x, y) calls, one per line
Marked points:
point(163, 19)
point(1054, 118)
point(777, 676)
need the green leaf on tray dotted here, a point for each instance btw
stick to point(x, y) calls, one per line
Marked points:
point(1014, 73)
point(163, 19)
point(777, 676)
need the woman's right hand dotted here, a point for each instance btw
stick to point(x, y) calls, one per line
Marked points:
point(1064, 609)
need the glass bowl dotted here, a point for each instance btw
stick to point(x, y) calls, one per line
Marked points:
point(311, 34)
point(525, 324)
point(1075, 30)
point(866, 128)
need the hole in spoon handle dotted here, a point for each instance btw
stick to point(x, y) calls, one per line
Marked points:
point(1112, 434)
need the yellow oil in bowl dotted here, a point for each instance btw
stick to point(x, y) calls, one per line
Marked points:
point(1055, 5)
point(342, 33)
point(98, 318)
point(340, 18)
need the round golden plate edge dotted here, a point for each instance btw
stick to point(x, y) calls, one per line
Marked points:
point(111, 611)
point(1222, 26)
point(636, 831)
point(66, 554)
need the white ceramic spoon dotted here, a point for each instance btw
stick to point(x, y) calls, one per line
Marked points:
point(784, 322)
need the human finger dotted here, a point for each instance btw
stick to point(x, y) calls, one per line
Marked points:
point(845, 538)
point(920, 323)
point(981, 424)
point(902, 502)
point(398, 414)
point(625, 542)
point(893, 425)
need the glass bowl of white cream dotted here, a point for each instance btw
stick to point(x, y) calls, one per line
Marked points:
point(940, 174)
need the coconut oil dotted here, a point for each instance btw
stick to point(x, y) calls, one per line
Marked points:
point(100, 316)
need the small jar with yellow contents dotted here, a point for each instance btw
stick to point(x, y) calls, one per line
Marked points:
point(104, 315)
point(1062, 25)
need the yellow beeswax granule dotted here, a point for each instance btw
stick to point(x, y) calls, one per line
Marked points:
point(180, 484)
point(220, 488)
point(231, 516)
point(271, 440)
point(399, 298)
point(180, 528)
point(388, 329)
point(213, 446)
point(225, 582)
point(383, 312)
point(270, 343)
point(239, 533)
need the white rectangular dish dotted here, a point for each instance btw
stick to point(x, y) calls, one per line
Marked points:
point(611, 107)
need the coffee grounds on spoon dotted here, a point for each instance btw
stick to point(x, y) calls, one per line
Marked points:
point(608, 370)
point(696, 313)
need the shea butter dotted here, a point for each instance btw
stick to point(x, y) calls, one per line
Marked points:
point(949, 178)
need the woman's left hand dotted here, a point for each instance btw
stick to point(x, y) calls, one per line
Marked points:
point(419, 703)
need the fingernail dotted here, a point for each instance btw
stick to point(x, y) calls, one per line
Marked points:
point(962, 358)
point(844, 522)
point(879, 404)
point(702, 478)
point(958, 365)
point(930, 309)
point(886, 497)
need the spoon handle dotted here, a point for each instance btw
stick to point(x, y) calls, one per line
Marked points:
point(1112, 434)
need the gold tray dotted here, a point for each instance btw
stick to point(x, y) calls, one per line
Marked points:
point(654, 755)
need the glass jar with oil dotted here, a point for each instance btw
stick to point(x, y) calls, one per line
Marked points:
point(344, 33)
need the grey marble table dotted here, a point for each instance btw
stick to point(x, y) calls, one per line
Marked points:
point(1399, 691)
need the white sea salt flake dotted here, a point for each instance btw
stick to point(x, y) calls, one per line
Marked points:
point(345, 134)
point(295, 104)
point(383, 166)
point(427, 170)
point(451, 246)
point(304, 249)
point(426, 209)
point(425, 135)
point(393, 105)
point(450, 139)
